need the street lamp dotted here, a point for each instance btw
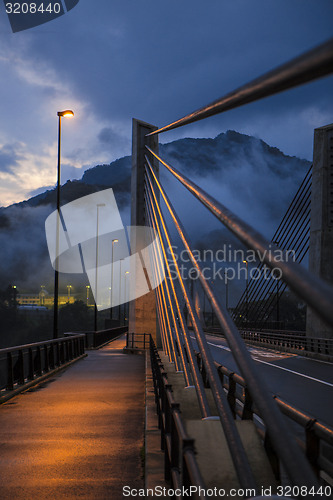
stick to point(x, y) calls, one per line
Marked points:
point(87, 288)
point(277, 295)
point(247, 291)
point(120, 278)
point(96, 284)
point(125, 298)
point(69, 292)
point(66, 113)
point(111, 309)
point(226, 280)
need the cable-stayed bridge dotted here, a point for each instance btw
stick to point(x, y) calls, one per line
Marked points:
point(221, 415)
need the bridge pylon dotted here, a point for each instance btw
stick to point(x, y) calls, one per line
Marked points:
point(142, 310)
point(321, 230)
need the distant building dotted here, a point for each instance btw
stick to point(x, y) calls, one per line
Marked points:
point(43, 299)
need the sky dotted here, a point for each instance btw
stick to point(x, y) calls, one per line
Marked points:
point(154, 60)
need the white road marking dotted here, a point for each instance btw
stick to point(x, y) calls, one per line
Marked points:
point(220, 346)
point(276, 366)
point(295, 373)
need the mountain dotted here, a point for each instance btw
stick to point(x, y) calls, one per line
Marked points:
point(250, 177)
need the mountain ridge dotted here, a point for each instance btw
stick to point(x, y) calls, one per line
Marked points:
point(253, 179)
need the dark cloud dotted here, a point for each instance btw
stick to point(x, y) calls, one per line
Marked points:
point(172, 57)
point(8, 158)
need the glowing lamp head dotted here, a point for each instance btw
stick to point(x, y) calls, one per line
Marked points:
point(67, 113)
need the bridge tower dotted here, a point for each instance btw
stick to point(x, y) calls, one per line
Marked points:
point(142, 310)
point(321, 230)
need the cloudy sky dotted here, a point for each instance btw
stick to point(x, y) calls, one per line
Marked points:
point(156, 60)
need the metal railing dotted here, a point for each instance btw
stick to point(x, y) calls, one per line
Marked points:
point(297, 342)
point(317, 439)
point(101, 337)
point(180, 465)
point(172, 294)
point(25, 364)
point(285, 341)
point(137, 340)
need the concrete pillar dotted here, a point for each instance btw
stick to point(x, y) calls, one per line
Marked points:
point(321, 230)
point(142, 311)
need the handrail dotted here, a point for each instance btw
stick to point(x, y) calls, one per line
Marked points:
point(314, 64)
point(36, 344)
point(21, 366)
point(314, 291)
point(180, 467)
point(313, 429)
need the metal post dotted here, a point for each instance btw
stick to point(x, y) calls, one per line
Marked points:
point(56, 272)
point(96, 270)
point(111, 298)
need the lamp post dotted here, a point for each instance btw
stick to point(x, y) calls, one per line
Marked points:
point(120, 278)
point(42, 295)
point(126, 301)
point(111, 309)
point(277, 296)
point(96, 269)
point(226, 289)
point(87, 288)
point(66, 113)
point(247, 291)
point(69, 292)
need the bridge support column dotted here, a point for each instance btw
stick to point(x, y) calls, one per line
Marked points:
point(321, 231)
point(142, 311)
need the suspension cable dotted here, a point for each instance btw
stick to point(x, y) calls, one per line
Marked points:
point(315, 292)
point(235, 444)
point(298, 468)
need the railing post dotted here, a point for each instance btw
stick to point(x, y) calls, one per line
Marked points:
point(312, 445)
point(10, 373)
point(21, 378)
point(31, 365)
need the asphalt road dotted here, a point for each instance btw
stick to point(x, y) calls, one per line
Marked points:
point(305, 383)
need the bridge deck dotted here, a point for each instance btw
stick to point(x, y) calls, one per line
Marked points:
point(78, 435)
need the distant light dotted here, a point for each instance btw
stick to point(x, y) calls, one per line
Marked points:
point(115, 241)
point(245, 261)
point(67, 112)
point(127, 272)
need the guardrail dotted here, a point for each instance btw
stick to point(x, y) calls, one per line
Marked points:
point(180, 465)
point(317, 441)
point(290, 342)
point(21, 366)
point(101, 337)
point(287, 341)
point(135, 339)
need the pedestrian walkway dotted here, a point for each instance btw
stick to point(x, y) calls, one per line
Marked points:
point(78, 435)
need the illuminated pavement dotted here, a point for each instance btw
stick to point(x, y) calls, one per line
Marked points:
point(79, 435)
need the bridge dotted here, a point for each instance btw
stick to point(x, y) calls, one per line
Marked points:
point(170, 406)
